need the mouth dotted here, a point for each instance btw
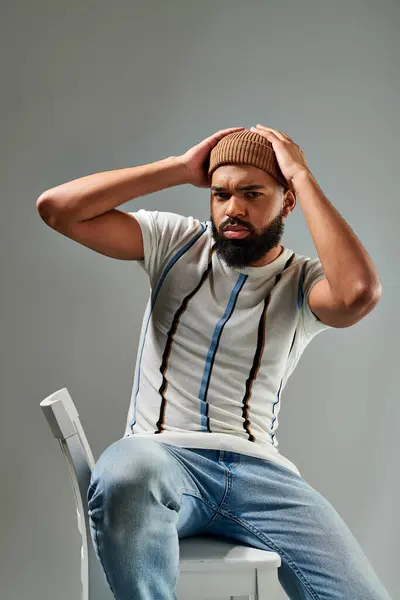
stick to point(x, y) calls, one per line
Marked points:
point(235, 232)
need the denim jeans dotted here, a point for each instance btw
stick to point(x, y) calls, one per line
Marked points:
point(144, 495)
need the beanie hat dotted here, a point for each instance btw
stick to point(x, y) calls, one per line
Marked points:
point(247, 148)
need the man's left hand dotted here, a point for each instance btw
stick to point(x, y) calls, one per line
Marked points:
point(289, 155)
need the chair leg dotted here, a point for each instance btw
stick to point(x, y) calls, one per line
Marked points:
point(268, 586)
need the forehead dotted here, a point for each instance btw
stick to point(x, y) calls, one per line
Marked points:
point(236, 176)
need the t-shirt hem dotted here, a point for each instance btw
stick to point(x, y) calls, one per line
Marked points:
point(221, 441)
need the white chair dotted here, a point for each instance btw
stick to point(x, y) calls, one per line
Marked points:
point(210, 568)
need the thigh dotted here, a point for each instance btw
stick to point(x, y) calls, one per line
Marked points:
point(271, 507)
point(130, 468)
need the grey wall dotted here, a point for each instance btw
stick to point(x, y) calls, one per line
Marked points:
point(92, 86)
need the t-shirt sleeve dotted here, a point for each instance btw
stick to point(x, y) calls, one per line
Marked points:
point(164, 233)
point(310, 323)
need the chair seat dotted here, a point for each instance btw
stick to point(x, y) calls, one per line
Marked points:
point(205, 552)
point(212, 568)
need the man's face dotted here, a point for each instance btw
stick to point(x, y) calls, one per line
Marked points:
point(259, 210)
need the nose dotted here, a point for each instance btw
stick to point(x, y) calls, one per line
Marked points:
point(235, 207)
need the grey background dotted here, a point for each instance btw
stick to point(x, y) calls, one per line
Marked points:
point(93, 86)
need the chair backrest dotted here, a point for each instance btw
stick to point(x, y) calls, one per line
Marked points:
point(63, 419)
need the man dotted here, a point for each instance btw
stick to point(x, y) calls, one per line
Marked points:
point(229, 314)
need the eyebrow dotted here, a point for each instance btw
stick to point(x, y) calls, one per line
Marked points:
point(218, 188)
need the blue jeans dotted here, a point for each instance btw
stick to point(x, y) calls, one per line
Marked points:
point(145, 495)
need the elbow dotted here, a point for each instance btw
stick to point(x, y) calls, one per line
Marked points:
point(371, 293)
point(43, 206)
point(46, 209)
point(366, 297)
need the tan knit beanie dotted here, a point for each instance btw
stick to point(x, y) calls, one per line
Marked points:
point(246, 148)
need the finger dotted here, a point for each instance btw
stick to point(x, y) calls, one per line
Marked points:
point(282, 136)
point(266, 133)
point(278, 134)
point(223, 132)
point(213, 139)
point(230, 129)
point(276, 131)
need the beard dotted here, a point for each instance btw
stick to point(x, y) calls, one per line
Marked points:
point(250, 249)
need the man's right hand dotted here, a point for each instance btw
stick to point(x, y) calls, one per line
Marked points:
point(195, 160)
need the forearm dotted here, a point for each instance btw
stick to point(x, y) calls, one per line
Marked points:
point(96, 194)
point(348, 267)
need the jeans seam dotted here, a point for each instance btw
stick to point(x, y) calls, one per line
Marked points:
point(101, 560)
point(228, 488)
point(189, 492)
point(265, 539)
point(194, 493)
point(209, 504)
point(224, 498)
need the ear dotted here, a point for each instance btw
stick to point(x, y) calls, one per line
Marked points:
point(289, 202)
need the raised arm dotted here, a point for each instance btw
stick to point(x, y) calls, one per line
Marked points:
point(84, 209)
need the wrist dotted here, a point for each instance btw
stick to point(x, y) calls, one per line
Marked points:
point(301, 177)
point(179, 169)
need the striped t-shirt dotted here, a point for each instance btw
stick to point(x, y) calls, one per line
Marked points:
point(217, 344)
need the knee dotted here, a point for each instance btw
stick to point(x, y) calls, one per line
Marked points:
point(128, 463)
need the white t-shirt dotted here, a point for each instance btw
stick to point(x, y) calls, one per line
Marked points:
point(217, 344)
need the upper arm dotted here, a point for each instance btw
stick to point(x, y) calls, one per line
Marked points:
point(333, 312)
point(114, 233)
